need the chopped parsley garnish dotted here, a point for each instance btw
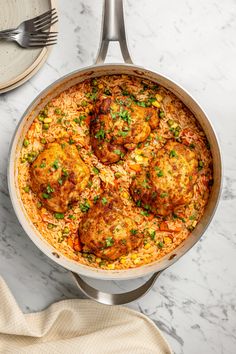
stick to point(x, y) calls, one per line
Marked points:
point(42, 165)
point(133, 231)
point(93, 95)
point(141, 104)
point(163, 195)
point(60, 181)
point(124, 114)
point(90, 183)
point(125, 93)
point(192, 217)
point(146, 206)
point(46, 196)
point(138, 203)
point(144, 213)
point(59, 215)
point(145, 184)
point(173, 153)
point(109, 242)
point(151, 99)
point(117, 152)
point(160, 244)
point(65, 172)
point(71, 216)
point(56, 164)
point(159, 172)
point(95, 199)
point(100, 134)
point(104, 201)
point(71, 141)
point(152, 235)
point(113, 115)
point(123, 134)
point(96, 171)
point(175, 216)
point(49, 189)
point(84, 207)
point(107, 92)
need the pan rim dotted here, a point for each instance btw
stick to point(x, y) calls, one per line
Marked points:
point(45, 247)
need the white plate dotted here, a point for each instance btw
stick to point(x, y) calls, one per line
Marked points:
point(17, 64)
point(27, 77)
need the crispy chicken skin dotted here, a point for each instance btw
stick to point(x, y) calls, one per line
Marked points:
point(106, 231)
point(168, 183)
point(58, 176)
point(118, 125)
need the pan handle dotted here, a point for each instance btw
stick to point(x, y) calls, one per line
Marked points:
point(115, 299)
point(113, 30)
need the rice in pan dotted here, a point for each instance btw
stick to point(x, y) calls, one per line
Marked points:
point(67, 120)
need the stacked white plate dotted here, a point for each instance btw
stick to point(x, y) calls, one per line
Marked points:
point(17, 65)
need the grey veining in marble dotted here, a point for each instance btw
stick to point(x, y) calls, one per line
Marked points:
point(193, 42)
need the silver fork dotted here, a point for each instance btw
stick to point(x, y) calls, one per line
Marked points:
point(31, 40)
point(38, 23)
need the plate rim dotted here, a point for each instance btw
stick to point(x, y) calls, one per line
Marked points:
point(28, 76)
point(32, 69)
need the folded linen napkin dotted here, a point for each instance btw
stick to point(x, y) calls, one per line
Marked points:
point(76, 326)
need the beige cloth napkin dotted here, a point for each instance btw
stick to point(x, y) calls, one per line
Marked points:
point(76, 326)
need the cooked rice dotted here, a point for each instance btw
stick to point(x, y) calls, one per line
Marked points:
point(63, 110)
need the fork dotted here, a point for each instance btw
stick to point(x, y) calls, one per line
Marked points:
point(31, 40)
point(38, 23)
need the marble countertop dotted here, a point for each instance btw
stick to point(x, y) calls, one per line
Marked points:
point(193, 42)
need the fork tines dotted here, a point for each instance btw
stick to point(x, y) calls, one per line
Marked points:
point(46, 20)
point(42, 39)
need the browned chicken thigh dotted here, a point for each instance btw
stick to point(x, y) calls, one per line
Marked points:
point(58, 176)
point(106, 230)
point(168, 183)
point(118, 125)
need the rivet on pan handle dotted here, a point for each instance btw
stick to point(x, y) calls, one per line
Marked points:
point(115, 299)
point(113, 30)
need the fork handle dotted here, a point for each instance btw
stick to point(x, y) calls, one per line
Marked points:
point(10, 30)
point(5, 36)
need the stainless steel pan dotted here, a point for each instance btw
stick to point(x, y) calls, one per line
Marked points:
point(113, 30)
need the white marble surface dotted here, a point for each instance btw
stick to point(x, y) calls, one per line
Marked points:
point(193, 42)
